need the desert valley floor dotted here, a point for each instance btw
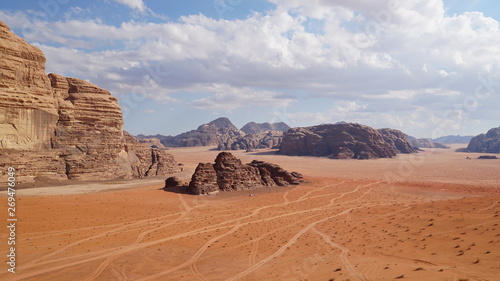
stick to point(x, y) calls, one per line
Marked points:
point(433, 215)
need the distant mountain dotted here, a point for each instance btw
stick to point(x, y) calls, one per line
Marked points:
point(454, 139)
point(425, 143)
point(221, 123)
point(256, 128)
point(210, 134)
point(489, 142)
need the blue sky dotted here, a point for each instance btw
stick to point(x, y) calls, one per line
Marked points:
point(429, 68)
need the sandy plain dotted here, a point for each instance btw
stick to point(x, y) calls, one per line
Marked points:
point(427, 216)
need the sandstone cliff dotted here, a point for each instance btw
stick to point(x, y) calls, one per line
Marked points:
point(342, 141)
point(489, 142)
point(228, 174)
point(56, 128)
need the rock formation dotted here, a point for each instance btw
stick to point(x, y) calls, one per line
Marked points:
point(56, 128)
point(151, 142)
point(173, 182)
point(211, 134)
point(487, 157)
point(397, 139)
point(228, 174)
point(340, 141)
point(426, 143)
point(269, 139)
point(489, 142)
point(256, 128)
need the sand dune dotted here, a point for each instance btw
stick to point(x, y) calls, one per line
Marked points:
point(431, 216)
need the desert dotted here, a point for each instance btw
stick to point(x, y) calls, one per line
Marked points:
point(352, 221)
point(350, 140)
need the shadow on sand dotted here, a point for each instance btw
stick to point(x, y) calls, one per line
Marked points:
point(177, 189)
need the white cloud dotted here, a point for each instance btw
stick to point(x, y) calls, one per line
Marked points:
point(228, 98)
point(133, 4)
point(369, 56)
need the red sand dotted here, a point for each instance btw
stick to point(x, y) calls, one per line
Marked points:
point(430, 216)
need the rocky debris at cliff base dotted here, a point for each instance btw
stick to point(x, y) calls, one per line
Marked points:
point(229, 174)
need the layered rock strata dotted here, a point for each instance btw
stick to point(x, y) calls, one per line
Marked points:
point(58, 128)
point(229, 174)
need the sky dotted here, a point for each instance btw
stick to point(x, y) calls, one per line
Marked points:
point(427, 67)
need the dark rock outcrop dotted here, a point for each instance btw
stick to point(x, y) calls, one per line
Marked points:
point(489, 142)
point(57, 128)
point(173, 182)
point(256, 128)
point(487, 157)
point(228, 174)
point(337, 141)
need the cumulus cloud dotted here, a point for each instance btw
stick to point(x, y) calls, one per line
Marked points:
point(229, 98)
point(405, 62)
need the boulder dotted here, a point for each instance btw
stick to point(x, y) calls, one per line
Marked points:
point(173, 182)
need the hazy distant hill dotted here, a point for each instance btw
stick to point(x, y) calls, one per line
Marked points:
point(426, 143)
point(256, 128)
point(454, 139)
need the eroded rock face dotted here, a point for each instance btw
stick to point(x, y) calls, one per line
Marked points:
point(229, 174)
point(269, 139)
point(489, 142)
point(338, 141)
point(397, 139)
point(56, 128)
